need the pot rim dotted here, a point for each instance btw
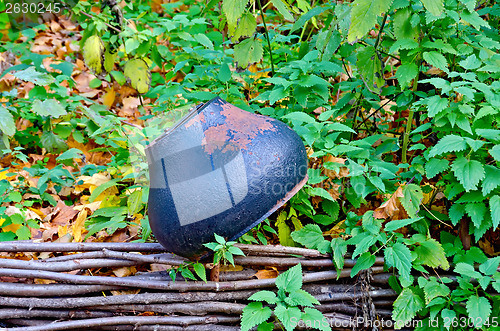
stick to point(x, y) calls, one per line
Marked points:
point(192, 112)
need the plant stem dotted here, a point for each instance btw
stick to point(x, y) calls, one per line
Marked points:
point(267, 36)
point(380, 31)
point(406, 138)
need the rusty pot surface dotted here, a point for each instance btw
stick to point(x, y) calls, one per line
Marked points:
point(220, 170)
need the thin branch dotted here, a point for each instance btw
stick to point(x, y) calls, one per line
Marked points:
point(198, 308)
point(350, 296)
point(49, 313)
point(132, 320)
point(65, 266)
point(94, 18)
point(252, 249)
point(48, 290)
point(27, 246)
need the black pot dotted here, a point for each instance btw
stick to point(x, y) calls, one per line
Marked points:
point(220, 170)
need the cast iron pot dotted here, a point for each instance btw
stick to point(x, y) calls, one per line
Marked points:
point(220, 170)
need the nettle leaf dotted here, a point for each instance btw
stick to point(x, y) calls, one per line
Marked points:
point(138, 72)
point(434, 289)
point(267, 296)
point(490, 267)
point(311, 316)
point(301, 298)
point(495, 152)
point(406, 73)
point(436, 166)
point(49, 107)
point(490, 134)
point(468, 172)
point(474, 19)
point(370, 68)
point(248, 51)
point(287, 316)
point(310, 236)
point(431, 253)
point(436, 59)
point(399, 257)
point(204, 40)
point(456, 212)
point(339, 249)
point(495, 210)
point(254, 314)
point(406, 307)
point(233, 9)
point(476, 211)
point(470, 63)
point(364, 15)
point(365, 261)
point(436, 104)
point(35, 77)
point(447, 144)
point(479, 309)
point(291, 279)
point(7, 124)
point(412, 196)
point(398, 224)
point(435, 7)
point(246, 26)
point(93, 51)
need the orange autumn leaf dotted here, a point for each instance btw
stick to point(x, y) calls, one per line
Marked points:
point(266, 273)
point(79, 225)
point(108, 98)
point(392, 208)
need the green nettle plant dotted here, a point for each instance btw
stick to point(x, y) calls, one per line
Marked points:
point(223, 250)
point(287, 302)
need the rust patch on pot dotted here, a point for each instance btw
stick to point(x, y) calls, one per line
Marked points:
point(216, 138)
point(245, 126)
point(199, 118)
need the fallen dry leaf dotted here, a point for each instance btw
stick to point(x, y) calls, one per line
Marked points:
point(267, 273)
point(78, 227)
point(392, 208)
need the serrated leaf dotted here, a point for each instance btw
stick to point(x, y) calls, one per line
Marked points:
point(447, 144)
point(412, 196)
point(134, 203)
point(406, 307)
point(468, 172)
point(490, 267)
point(495, 210)
point(267, 296)
point(282, 7)
point(35, 77)
point(436, 105)
point(476, 211)
point(436, 166)
point(406, 73)
point(52, 142)
point(339, 249)
point(474, 19)
point(436, 59)
point(495, 152)
point(254, 314)
point(93, 51)
point(287, 315)
point(320, 192)
point(456, 212)
point(49, 107)
point(138, 72)
point(224, 73)
point(433, 289)
point(72, 153)
point(284, 232)
point(301, 298)
point(248, 51)
point(490, 134)
point(291, 279)
point(479, 309)
point(246, 27)
point(470, 63)
point(398, 224)
point(311, 316)
point(7, 124)
point(204, 40)
point(435, 7)
point(310, 236)
point(491, 180)
point(365, 261)
point(233, 9)
point(431, 253)
point(399, 257)
point(340, 127)
point(364, 15)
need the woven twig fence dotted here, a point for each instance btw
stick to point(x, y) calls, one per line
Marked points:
point(70, 298)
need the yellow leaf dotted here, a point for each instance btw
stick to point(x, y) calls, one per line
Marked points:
point(124, 271)
point(93, 53)
point(109, 98)
point(92, 182)
point(138, 72)
point(264, 274)
point(79, 226)
point(62, 231)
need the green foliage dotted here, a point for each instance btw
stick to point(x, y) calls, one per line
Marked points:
point(287, 301)
point(223, 250)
